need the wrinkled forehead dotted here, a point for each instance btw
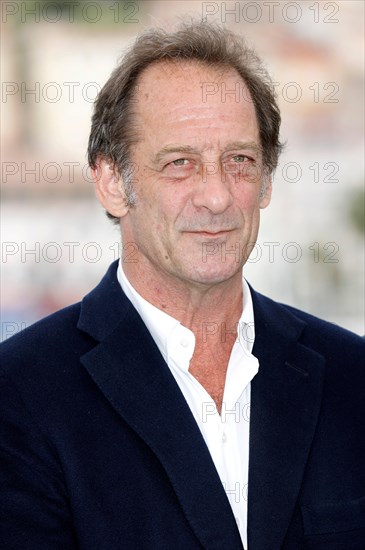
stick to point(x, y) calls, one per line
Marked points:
point(193, 104)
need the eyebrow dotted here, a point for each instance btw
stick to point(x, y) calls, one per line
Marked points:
point(252, 145)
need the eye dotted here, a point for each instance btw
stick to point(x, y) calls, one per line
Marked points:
point(240, 158)
point(179, 162)
point(179, 168)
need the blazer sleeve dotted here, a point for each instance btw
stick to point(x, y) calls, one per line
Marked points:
point(34, 509)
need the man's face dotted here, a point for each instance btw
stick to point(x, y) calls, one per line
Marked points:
point(197, 177)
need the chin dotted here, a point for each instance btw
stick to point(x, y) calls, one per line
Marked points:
point(214, 274)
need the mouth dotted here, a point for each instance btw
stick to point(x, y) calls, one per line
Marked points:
point(208, 234)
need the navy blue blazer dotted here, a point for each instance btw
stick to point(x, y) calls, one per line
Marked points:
point(99, 450)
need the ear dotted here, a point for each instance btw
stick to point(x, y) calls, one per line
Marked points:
point(109, 188)
point(265, 195)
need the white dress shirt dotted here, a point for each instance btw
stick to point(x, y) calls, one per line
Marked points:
point(227, 434)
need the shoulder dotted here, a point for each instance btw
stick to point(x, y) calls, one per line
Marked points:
point(50, 351)
point(324, 333)
point(322, 336)
point(51, 341)
point(61, 335)
point(324, 350)
point(341, 351)
point(42, 378)
point(326, 327)
point(64, 319)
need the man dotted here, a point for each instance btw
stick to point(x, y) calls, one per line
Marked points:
point(175, 407)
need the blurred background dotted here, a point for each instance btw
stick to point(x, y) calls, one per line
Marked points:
point(56, 239)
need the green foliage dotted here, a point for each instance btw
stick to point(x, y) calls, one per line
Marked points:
point(356, 210)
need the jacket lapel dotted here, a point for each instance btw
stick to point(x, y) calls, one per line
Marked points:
point(285, 403)
point(131, 373)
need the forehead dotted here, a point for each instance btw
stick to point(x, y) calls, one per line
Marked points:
point(169, 91)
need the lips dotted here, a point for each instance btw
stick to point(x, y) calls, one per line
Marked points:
point(210, 233)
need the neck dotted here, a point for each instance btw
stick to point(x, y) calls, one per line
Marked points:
point(195, 305)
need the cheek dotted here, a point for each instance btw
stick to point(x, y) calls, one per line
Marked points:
point(247, 198)
point(170, 204)
point(154, 219)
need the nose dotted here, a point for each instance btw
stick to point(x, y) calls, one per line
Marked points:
point(212, 189)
